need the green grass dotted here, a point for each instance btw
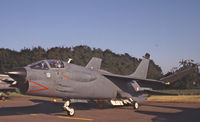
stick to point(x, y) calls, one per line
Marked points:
point(188, 95)
point(16, 94)
point(180, 98)
point(182, 92)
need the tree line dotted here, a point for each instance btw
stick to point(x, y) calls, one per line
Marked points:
point(116, 63)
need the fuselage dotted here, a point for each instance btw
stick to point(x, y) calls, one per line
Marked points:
point(68, 81)
point(55, 78)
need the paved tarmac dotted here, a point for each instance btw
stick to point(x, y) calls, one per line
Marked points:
point(38, 109)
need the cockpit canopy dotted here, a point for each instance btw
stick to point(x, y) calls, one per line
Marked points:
point(40, 65)
point(55, 63)
point(46, 64)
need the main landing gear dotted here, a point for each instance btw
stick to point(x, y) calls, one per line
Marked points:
point(136, 105)
point(124, 102)
point(70, 111)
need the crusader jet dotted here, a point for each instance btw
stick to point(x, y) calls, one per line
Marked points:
point(55, 78)
point(5, 87)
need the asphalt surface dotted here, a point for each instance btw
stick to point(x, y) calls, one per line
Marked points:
point(38, 109)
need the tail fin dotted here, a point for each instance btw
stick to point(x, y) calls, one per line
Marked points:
point(142, 69)
point(94, 63)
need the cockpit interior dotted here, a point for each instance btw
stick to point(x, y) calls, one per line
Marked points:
point(46, 64)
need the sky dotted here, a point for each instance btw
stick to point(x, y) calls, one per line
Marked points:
point(167, 29)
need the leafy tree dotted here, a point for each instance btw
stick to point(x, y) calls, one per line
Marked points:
point(191, 80)
point(38, 53)
point(115, 63)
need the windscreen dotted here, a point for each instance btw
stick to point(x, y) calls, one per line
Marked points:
point(40, 65)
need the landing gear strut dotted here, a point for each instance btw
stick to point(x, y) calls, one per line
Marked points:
point(70, 111)
point(135, 104)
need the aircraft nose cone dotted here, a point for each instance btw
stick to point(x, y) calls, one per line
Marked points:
point(19, 74)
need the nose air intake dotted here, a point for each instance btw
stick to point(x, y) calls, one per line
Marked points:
point(19, 74)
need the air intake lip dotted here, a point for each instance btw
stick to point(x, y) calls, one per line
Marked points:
point(18, 74)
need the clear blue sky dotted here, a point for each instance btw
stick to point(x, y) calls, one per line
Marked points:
point(168, 29)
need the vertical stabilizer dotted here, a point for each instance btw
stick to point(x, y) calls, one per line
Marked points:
point(94, 63)
point(142, 69)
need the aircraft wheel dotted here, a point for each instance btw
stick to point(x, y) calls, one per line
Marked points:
point(136, 105)
point(70, 112)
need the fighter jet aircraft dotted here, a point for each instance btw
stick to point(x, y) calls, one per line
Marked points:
point(5, 87)
point(55, 78)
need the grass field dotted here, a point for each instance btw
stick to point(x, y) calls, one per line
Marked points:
point(182, 92)
point(180, 98)
point(188, 96)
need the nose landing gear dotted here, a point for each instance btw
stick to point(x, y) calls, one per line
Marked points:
point(70, 110)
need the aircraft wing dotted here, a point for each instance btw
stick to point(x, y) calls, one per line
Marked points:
point(139, 75)
point(166, 80)
point(5, 87)
point(5, 83)
point(129, 78)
